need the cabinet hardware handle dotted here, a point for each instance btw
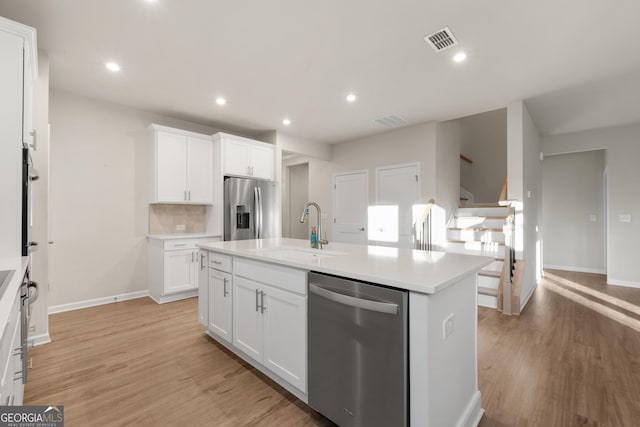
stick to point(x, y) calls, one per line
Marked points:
point(361, 228)
point(257, 306)
point(192, 254)
point(180, 244)
point(262, 307)
point(189, 193)
point(10, 400)
point(185, 195)
point(215, 261)
point(18, 376)
point(201, 262)
point(17, 351)
point(224, 287)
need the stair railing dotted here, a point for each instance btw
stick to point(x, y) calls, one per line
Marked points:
point(423, 230)
point(508, 267)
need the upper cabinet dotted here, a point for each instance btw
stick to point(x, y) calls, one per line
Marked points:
point(181, 166)
point(246, 157)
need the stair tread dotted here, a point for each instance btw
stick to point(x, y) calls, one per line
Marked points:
point(475, 241)
point(487, 291)
point(483, 205)
point(497, 230)
point(490, 273)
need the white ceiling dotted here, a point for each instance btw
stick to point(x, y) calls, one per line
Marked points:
point(574, 61)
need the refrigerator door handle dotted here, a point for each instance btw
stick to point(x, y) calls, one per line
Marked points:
point(260, 219)
point(256, 214)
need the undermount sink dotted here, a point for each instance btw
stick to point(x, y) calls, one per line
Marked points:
point(296, 254)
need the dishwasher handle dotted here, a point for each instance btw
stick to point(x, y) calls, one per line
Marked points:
point(381, 307)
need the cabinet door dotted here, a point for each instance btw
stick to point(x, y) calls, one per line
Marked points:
point(171, 170)
point(203, 288)
point(285, 328)
point(247, 320)
point(220, 303)
point(199, 170)
point(235, 158)
point(261, 161)
point(178, 271)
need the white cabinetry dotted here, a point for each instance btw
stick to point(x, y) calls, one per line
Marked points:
point(174, 267)
point(220, 296)
point(246, 157)
point(181, 166)
point(270, 318)
point(11, 386)
point(203, 288)
point(18, 70)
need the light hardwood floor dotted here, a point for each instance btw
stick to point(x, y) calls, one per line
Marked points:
point(138, 363)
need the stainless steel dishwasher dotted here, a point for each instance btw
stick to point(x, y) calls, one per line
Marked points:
point(357, 352)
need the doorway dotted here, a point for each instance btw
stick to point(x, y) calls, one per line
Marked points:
point(350, 201)
point(397, 191)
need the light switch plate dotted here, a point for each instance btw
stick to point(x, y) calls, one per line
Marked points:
point(624, 218)
point(447, 326)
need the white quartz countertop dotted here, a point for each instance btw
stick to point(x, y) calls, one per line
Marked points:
point(8, 294)
point(414, 270)
point(182, 236)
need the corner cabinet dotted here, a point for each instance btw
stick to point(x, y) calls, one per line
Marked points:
point(259, 310)
point(246, 157)
point(180, 165)
point(174, 266)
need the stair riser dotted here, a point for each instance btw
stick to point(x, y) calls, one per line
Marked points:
point(488, 282)
point(477, 222)
point(487, 249)
point(488, 301)
point(478, 236)
point(491, 211)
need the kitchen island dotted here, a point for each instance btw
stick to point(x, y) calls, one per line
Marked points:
point(253, 300)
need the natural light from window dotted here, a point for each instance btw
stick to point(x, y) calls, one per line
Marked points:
point(383, 223)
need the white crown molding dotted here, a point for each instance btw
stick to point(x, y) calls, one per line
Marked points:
point(29, 35)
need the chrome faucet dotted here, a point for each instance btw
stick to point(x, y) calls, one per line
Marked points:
point(305, 212)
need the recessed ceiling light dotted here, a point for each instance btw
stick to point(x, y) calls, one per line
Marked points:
point(460, 56)
point(351, 97)
point(112, 66)
point(220, 100)
point(286, 122)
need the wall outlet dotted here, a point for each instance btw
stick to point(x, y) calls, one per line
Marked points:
point(180, 227)
point(592, 218)
point(447, 326)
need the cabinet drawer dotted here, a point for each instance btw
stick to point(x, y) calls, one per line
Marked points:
point(287, 278)
point(220, 261)
point(177, 244)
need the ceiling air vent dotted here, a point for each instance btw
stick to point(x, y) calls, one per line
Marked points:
point(391, 121)
point(441, 39)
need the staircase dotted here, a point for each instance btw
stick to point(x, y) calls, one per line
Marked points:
point(479, 230)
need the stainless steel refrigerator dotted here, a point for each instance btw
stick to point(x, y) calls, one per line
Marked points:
point(251, 209)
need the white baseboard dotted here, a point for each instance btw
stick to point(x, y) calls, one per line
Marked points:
point(576, 269)
point(488, 301)
point(473, 412)
point(174, 297)
point(627, 283)
point(526, 300)
point(37, 340)
point(96, 301)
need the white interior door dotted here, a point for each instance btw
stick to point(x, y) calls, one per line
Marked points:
point(350, 204)
point(397, 190)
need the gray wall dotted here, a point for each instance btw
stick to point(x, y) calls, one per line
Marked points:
point(572, 193)
point(623, 170)
point(484, 140)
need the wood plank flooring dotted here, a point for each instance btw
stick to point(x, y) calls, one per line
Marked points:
point(560, 363)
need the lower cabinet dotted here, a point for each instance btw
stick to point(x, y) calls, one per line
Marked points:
point(220, 303)
point(269, 325)
point(11, 385)
point(175, 267)
point(260, 310)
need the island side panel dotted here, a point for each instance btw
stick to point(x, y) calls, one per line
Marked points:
point(444, 372)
